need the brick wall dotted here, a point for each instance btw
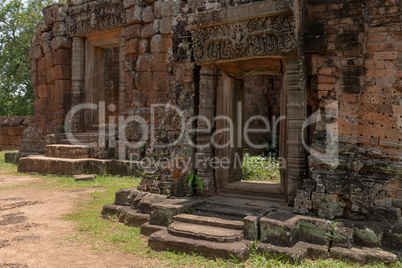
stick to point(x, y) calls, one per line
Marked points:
point(11, 131)
point(359, 87)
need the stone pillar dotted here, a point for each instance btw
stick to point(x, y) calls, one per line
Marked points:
point(122, 90)
point(77, 92)
point(295, 85)
point(205, 150)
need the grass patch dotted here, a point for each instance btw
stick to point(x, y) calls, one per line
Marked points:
point(6, 168)
point(260, 168)
point(109, 235)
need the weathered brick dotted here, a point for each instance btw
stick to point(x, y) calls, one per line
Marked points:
point(148, 14)
point(144, 46)
point(159, 81)
point(132, 31)
point(144, 63)
point(58, 72)
point(48, 60)
point(148, 31)
point(132, 47)
point(62, 56)
point(161, 43)
point(159, 61)
point(134, 14)
point(144, 81)
point(386, 55)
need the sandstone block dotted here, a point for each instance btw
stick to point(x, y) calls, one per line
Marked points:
point(62, 56)
point(148, 31)
point(59, 29)
point(48, 60)
point(161, 43)
point(144, 63)
point(132, 31)
point(36, 52)
point(130, 63)
point(391, 55)
point(157, 24)
point(159, 61)
point(62, 86)
point(34, 78)
point(132, 46)
point(131, 3)
point(45, 39)
point(134, 14)
point(54, 13)
point(165, 26)
point(148, 14)
point(42, 91)
point(144, 46)
point(60, 42)
point(159, 81)
point(158, 9)
point(143, 81)
point(169, 8)
point(58, 72)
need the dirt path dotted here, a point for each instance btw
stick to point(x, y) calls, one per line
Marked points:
point(32, 233)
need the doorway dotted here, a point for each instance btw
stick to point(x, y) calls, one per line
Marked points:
point(251, 95)
point(102, 79)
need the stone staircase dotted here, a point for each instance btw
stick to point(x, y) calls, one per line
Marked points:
point(225, 227)
point(205, 234)
point(89, 152)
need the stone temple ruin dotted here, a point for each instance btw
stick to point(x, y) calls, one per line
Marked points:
point(331, 70)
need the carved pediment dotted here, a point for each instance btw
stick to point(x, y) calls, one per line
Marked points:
point(95, 15)
point(261, 29)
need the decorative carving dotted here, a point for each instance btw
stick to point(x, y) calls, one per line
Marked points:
point(97, 15)
point(255, 37)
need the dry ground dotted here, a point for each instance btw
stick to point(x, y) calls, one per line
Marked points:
point(33, 233)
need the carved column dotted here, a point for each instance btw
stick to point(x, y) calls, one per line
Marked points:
point(78, 62)
point(122, 90)
point(295, 85)
point(205, 151)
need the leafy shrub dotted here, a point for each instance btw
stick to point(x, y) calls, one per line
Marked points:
point(260, 168)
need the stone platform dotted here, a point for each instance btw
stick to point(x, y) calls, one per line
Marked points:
point(224, 227)
point(42, 164)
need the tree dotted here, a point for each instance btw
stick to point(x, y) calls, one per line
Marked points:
point(18, 20)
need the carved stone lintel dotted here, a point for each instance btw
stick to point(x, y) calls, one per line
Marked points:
point(95, 15)
point(248, 38)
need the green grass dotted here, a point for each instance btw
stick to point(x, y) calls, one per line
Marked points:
point(109, 235)
point(260, 168)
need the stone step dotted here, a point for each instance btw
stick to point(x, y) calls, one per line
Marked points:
point(286, 229)
point(134, 218)
point(303, 250)
point(208, 233)
point(236, 214)
point(67, 151)
point(162, 240)
point(149, 229)
point(69, 167)
point(209, 221)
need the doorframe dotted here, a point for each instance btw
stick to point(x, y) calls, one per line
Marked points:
point(84, 49)
point(293, 105)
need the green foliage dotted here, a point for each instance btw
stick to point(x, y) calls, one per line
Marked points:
point(194, 180)
point(271, 149)
point(330, 235)
point(18, 20)
point(260, 168)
